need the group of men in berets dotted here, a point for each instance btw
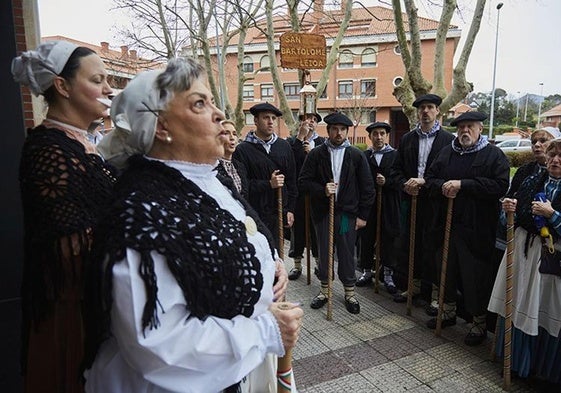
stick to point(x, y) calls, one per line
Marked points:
point(430, 167)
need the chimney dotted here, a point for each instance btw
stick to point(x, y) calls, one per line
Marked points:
point(124, 51)
point(133, 54)
point(104, 46)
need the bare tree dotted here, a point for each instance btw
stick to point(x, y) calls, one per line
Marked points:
point(414, 83)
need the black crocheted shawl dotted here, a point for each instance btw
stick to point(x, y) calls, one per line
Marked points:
point(206, 249)
point(63, 192)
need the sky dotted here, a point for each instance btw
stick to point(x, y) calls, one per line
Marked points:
point(528, 51)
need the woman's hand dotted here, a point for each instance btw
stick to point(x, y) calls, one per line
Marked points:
point(289, 319)
point(509, 205)
point(281, 276)
point(542, 209)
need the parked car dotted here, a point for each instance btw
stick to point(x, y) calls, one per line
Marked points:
point(515, 145)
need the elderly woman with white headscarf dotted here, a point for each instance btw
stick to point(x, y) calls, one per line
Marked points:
point(186, 268)
point(64, 183)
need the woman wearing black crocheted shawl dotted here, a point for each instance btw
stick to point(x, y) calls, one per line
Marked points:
point(185, 298)
point(64, 184)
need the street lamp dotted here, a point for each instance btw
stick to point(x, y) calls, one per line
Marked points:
point(540, 109)
point(517, 108)
point(499, 6)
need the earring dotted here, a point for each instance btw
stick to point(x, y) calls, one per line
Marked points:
point(168, 139)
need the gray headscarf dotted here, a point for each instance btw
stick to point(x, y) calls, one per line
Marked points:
point(38, 68)
point(134, 112)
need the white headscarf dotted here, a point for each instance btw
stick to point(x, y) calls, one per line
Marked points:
point(134, 112)
point(38, 68)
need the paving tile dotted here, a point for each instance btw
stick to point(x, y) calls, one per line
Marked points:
point(320, 368)
point(348, 383)
point(390, 377)
point(361, 356)
point(335, 337)
point(424, 367)
point(421, 337)
point(368, 330)
point(393, 346)
point(454, 356)
point(308, 345)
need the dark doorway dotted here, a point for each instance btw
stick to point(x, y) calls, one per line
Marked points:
point(400, 126)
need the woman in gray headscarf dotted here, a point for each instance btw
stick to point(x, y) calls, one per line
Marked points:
point(64, 183)
point(185, 294)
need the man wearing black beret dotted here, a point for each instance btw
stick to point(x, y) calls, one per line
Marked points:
point(339, 169)
point(417, 150)
point(302, 143)
point(476, 175)
point(380, 156)
point(269, 164)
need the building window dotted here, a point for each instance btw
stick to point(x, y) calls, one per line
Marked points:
point(324, 94)
point(345, 89)
point(346, 59)
point(368, 116)
point(247, 64)
point(397, 81)
point(368, 58)
point(264, 63)
point(248, 93)
point(368, 88)
point(397, 50)
point(291, 91)
point(266, 92)
point(249, 119)
point(372, 117)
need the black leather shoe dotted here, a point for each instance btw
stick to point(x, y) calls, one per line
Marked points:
point(318, 302)
point(476, 336)
point(431, 323)
point(294, 274)
point(353, 306)
point(364, 281)
point(431, 311)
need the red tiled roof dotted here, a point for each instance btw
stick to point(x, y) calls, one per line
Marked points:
point(555, 111)
point(123, 61)
point(369, 21)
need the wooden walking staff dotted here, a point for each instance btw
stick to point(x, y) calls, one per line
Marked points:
point(378, 236)
point(281, 223)
point(284, 365)
point(445, 247)
point(308, 239)
point(412, 226)
point(507, 359)
point(330, 258)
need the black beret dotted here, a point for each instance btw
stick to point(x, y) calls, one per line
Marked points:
point(378, 124)
point(338, 118)
point(469, 116)
point(432, 98)
point(264, 107)
point(318, 117)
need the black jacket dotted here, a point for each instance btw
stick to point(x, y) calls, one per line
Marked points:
point(356, 189)
point(407, 161)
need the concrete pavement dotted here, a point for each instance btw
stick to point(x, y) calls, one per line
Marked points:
point(383, 350)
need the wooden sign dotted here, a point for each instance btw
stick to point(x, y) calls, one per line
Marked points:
point(303, 51)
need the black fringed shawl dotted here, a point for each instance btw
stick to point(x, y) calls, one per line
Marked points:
point(156, 208)
point(63, 191)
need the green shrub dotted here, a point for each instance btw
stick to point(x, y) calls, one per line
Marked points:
point(361, 146)
point(517, 159)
